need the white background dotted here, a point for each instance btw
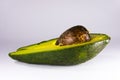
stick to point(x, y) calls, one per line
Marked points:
point(24, 22)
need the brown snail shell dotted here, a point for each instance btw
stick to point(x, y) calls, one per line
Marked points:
point(76, 34)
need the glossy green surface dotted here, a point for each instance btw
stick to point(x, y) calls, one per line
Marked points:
point(47, 52)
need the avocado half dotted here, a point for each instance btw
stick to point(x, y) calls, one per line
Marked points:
point(47, 52)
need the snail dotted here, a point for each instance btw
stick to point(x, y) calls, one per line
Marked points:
point(74, 35)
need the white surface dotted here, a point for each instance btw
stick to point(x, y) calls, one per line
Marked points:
point(24, 22)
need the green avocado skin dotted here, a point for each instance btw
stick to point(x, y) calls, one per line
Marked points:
point(69, 56)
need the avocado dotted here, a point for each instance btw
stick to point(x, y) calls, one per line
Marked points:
point(47, 52)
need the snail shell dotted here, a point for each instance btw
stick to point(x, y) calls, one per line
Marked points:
point(76, 34)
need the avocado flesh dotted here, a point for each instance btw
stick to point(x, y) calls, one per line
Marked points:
point(47, 52)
